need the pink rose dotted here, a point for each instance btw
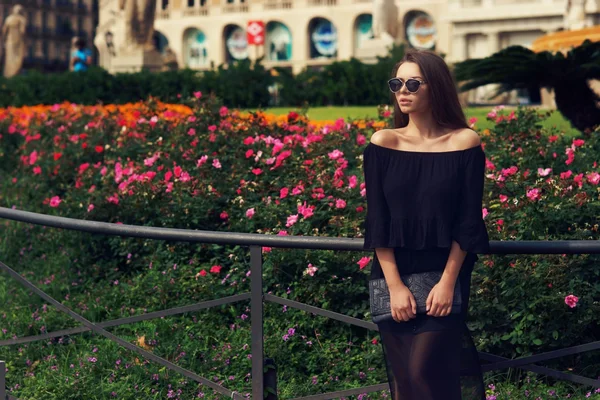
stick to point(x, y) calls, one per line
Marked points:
point(571, 300)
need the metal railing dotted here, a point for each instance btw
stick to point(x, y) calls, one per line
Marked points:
point(257, 298)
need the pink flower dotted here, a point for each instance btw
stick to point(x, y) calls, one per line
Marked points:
point(33, 157)
point(223, 111)
point(201, 160)
point(352, 181)
point(184, 177)
point(249, 153)
point(250, 212)
point(114, 199)
point(566, 174)
point(310, 270)
point(361, 139)
point(215, 269)
point(335, 154)
point(191, 132)
point(90, 208)
point(297, 190)
point(212, 128)
point(216, 163)
point(484, 212)
point(55, 201)
point(201, 273)
point(363, 262)
point(291, 220)
point(339, 203)
point(257, 171)
point(283, 192)
point(306, 211)
point(578, 142)
point(571, 300)
point(544, 172)
point(37, 170)
point(197, 94)
point(224, 215)
point(593, 178)
point(503, 198)
point(534, 194)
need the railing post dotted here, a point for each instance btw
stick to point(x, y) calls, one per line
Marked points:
point(270, 379)
point(2, 380)
point(256, 315)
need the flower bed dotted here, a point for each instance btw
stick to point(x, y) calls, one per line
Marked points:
point(199, 165)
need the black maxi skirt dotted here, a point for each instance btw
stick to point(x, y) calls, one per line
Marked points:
point(431, 358)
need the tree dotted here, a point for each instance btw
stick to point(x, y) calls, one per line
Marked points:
point(517, 67)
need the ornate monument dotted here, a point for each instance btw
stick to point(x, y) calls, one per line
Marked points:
point(139, 23)
point(137, 50)
point(385, 20)
point(13, 35)
point(574, 17)
point(385, 30)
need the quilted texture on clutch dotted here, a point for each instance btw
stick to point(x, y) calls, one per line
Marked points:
point(419, 284)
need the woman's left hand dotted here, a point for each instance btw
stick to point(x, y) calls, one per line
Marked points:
point(439, 301)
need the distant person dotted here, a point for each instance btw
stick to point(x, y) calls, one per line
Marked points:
point(81, 57)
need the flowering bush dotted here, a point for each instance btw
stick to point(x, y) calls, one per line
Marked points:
point(199, 165)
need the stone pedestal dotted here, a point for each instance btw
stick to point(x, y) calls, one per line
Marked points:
point(371, 48)
point(137, 60)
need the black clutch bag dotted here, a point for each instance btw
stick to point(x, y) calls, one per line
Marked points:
point(419, 284)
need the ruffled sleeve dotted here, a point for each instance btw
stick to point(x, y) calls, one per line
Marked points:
point(377, 221)
point(469, 229)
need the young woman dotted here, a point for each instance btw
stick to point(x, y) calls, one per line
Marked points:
point(424, 182)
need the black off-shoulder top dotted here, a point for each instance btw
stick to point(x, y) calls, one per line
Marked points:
point(424, 200)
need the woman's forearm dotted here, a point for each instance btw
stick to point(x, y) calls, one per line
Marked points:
point(388, 266)
point(453, 265)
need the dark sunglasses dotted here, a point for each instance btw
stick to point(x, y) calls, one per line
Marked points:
point(412, 85)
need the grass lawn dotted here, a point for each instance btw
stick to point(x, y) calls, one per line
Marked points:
point(360, 112)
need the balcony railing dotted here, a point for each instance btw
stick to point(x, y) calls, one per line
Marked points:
point(279, 4)
point(234, 8)
point(322, 2)
point(257, 297)
point(196, 11)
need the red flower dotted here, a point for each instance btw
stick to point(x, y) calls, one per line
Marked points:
point(215, 269)
point(99, 149)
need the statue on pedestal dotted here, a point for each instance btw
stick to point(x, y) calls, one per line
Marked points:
point(13, 35)
point(574, 16)
point(139, 23)
point(385, 20)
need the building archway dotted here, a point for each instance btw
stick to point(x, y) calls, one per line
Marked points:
point(195, 49)
point(363, 30)
point(235, 42)
point(322, 38)
point(420, 30)
point(160, 41)
point(278, 42)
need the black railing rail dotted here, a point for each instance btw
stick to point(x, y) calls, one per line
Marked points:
point(257, 298)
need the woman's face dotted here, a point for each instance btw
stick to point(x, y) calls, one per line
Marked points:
point(412, 102)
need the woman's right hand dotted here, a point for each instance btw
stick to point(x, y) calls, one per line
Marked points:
point(402, 303)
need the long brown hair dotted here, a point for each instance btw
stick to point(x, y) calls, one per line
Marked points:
point(443, 96)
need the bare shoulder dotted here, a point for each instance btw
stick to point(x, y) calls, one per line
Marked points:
point(465, 139)
point(385, 138)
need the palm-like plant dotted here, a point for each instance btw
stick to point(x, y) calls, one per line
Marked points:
point(517, 67)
